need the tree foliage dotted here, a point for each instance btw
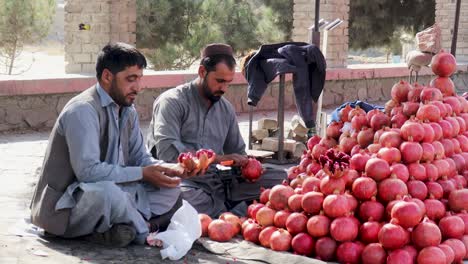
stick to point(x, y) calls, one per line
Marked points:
point(22, 22)
point(374, 23)
point(172, 32)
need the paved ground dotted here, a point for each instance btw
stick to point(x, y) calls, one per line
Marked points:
point(21, 158)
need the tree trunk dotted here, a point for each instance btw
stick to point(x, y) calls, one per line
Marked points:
point(13, 56)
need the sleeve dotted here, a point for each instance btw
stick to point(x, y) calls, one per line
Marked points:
point(234, 142)
point(80, 127)
point(168, 117)
point(138, 153)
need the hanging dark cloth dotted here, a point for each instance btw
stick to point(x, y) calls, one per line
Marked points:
point(305, 61)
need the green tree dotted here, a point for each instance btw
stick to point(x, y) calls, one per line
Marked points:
point(374, 23)
point(22, 22)
point(173, 32)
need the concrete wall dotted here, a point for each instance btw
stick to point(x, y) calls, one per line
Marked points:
point(35, 104)
point(108, 20)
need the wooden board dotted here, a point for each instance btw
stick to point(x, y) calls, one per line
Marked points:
point(259, 153)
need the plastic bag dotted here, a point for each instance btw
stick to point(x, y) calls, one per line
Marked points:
point(183, 230)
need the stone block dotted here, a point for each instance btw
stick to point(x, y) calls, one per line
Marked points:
point(73, 7)
point(73, 68)
point(82, 58)
point(271, 144)
point(267, 123)
point(299, 138)
point(362, 93)
point(299, 149)
point(259, 134)
point(37, 118)
point(88, 68)
point(73, 48)
point(298, 126)
point(257, 146)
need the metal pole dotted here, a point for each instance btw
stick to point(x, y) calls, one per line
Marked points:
point(453, 49)
point(316, 32)
point(250, 125)
point(281, 119)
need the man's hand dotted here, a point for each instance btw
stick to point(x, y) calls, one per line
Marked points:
point(163, 175)
point(238, 159)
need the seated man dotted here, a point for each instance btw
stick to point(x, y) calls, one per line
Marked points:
point(194, 116)
point(97, 179)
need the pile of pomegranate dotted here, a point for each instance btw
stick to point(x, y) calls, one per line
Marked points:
point(381, 187)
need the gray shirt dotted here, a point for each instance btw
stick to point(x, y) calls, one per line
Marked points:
point(183, 122)
point(80, 126)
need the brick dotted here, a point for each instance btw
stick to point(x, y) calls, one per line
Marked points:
point(259, 134)
point(299, 149)
point(271, 144)
point(73, 68)
point(297, 126)
point(267, 123)
point(82, 58)
point(73, 48)
point(88, 68)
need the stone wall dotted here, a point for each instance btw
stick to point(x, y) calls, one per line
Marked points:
point(39, 111)
point(304, 16)
point(107, 20)
point(445, 17)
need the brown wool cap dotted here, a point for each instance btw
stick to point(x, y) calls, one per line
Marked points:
point(216, 49)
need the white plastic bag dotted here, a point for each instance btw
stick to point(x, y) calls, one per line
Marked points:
point(183, 230)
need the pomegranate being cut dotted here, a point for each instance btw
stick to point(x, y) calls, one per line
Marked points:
point(200, 161)
point(252, 170)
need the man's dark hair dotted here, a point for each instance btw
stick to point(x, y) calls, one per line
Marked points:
point(210, 62)
point(117, 56)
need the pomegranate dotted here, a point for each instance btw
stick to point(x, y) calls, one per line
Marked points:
point(279, 196)
point(407, 214)
point(374, 253)
point(452, 226)
point(251, 232)
point(333, 130)
point(344, 229)
point(365, 137)
point(220, 230)
point(428, 113)
point(391, 189)
point(303, 244)
point(344, 113)
point(234, 220)
point(426, 234)
point(390, 155)
point(443, 64)
point(411, 152)
point(318, 225)
point(310, 184)
point(435, 209)
point(458, 248)
point(280, 218)
point(312, 202)
point(325, 248)
point(400, 171)
point(414, 94)
point(393, 236)
point(265, 216)
point(364, 188)
point(205, 220)
point(252, 170)
point(280, 240)
point(430, 94)
point(412, 131)
point(417, 189)
point(399, 256)
point(294, 202)
point(349, 252)
point(265, 235)
point(449, 254)
point(369, 232)
point(314, 140)
point(431, 255)
point(335, 205)
point(377, 168)
point(296, 223)
point(328, 185)
point(444, 84)
point(371, 211)
point(400, 91)
point(390, 139)
point(458, 200)
point(358, 161)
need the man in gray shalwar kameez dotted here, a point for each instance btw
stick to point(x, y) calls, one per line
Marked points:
point(194, 116)
point(98, 179)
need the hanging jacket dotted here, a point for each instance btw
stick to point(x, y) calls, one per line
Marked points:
point(307, 64)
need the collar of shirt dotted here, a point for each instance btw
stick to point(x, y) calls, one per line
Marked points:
point(106, 100)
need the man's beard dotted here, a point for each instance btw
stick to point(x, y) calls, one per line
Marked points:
point(213, 97)
point(118, 97)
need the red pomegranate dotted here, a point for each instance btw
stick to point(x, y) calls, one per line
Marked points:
point(443, 64)
point(252, 170)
